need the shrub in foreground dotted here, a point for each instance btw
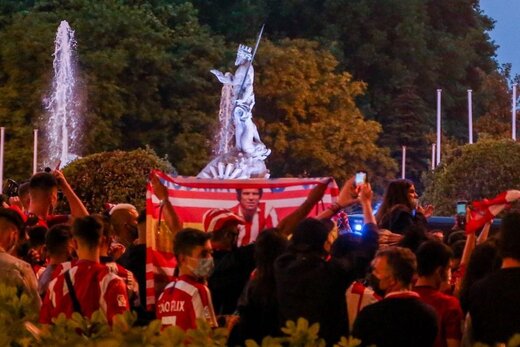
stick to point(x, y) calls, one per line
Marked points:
point(114, 177)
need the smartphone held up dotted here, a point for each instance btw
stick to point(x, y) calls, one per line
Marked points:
point(360, 178)
point(461, 207)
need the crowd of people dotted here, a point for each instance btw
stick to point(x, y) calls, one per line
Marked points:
point(396, 283)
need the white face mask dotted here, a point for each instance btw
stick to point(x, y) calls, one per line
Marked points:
point(204, 266)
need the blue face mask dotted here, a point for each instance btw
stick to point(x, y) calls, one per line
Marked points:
point(204, 267)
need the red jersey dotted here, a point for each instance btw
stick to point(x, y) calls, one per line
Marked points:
point(95, 286)
point(264, 218)
point(358, 296)
point(62, 267)
point(128, 277)
point(50, 221)
point(183, 302)
point(449, 313)
point(38, 270)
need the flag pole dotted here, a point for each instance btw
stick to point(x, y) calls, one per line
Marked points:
point(35, 151)
point(403, 163)
point(470, 116)
point(2, 138)
point(513, 113)
point(439, 91)
point(433, 156)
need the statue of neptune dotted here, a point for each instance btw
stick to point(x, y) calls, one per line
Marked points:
point(247, 139)
point(246, 158)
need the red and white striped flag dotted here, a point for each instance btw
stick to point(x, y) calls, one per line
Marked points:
point(191, 197)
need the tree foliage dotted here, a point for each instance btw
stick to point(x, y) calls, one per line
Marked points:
point(308, 116)
point(78, 331)
point(495, 96)
point(143, 74)
point(403, 51)
point(113, 177)
point(474, 172)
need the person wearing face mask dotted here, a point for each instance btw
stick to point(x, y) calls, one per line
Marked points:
point(433, 267)
point(123, 218)
point(400, 208)
point(401, 318)
point(14, 271)
point(188, 298)
point(233, 264)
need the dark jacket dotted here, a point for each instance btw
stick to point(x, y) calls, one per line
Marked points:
point(311, 287)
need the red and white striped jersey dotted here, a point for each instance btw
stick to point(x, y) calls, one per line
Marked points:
point(95, 286)
point(358, 297)
point(264, 218)
point(183, 302)
point(38, 270)
point(128, 277)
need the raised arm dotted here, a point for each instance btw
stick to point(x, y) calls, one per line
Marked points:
point(77, 209)
point(348, 195)
point(170, 216)
point(484, 233)
point(365, 197)
point(288, 224)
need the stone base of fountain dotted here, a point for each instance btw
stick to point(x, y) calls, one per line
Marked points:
point(236, 165)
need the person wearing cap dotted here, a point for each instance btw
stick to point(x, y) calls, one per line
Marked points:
point(233, 264)
point(13, 271)
point(187, 298)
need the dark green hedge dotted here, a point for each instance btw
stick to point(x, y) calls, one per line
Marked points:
point(473, 172)
point(115, 177)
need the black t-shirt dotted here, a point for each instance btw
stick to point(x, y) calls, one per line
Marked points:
point(397, 322)
point(400, 218)
point(258, 309)
point(232, 271)
point(134, 260)
point(308, 286)
point(494, 306)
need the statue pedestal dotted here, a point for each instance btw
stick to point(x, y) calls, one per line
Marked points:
point(235, 165)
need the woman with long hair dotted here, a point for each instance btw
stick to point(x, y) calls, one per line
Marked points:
point(400, 208)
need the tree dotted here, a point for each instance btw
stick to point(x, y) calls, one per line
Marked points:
point(398, 48)
point(143, 74)
point(405, 116)
point(114, 177)
point(495, 96)
point(307, 114)
point(473, 172)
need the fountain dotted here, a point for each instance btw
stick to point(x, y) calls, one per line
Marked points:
point(62, 129)
point(246, 158)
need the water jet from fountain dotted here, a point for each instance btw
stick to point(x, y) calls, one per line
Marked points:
point(63, 124)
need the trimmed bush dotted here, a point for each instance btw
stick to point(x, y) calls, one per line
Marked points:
point(473, 172)
point(17, 328)
point(114, 177)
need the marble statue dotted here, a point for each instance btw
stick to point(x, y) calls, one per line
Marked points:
point(246, 158)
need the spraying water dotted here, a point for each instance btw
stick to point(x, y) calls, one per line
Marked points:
point(62, 128)
point(226, 131)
